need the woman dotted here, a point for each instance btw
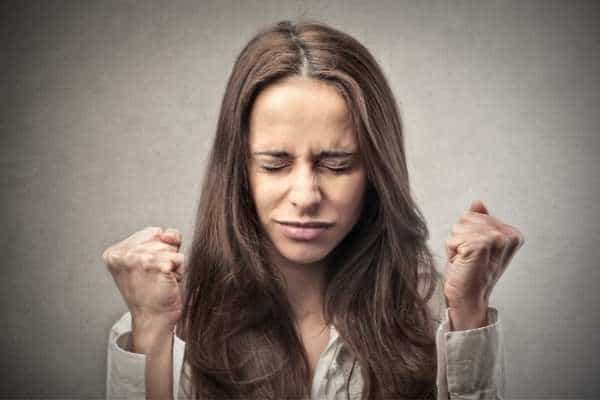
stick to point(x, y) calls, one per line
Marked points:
point(309, 273)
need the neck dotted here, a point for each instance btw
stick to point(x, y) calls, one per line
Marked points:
point(305, 287)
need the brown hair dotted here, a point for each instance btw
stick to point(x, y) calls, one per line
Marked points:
point(240, 337)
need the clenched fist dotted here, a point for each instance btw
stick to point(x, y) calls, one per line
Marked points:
point(479, 250)
point(148, 269)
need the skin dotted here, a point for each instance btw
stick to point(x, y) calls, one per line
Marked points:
point(479, 249)
point(295, 127)
point(147, 268)
point(301, 117)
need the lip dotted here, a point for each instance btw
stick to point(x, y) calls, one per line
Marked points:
point(303, 232)
point(307, 224)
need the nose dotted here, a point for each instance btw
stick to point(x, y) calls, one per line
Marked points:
point(305, 193)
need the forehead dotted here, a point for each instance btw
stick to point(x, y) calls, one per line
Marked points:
point(300, 111)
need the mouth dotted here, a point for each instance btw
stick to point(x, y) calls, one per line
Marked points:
point(307, 224)
point(304, 231)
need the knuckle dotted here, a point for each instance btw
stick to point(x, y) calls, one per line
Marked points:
point(155, 230)
point(113, 258)
point(515, 240)
point(496, 237)
point(148, 259)
point(515, 237)
point(486, 242)
point(130, 260)
point(175, 233)
point(108, 258)
point(519, 237)
point(496, 234)
point(466, 249)
point(477, 246)
point(105, 255)
point(165, 267)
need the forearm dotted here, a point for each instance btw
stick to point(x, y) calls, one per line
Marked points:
point(470, 361)
point(461, 320)
point(466, 315)
point(159, 368)
point(155, 340)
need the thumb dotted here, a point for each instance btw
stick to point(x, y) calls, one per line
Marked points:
point(478, 206)
point(170, 237)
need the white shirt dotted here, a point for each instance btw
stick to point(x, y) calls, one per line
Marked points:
point(470, 364)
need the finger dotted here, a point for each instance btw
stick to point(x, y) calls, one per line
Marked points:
point(180, 267)
point(171, 235)
point(461, 228)
point(496, 238)
point(466, 246)
point(450, 248)
point(160, 246)
point(513, 233)
point(169, 262)
point(471, 217)
point(452, 244)
point(174, 232)
point(513, 242)
point(479, 207)
point(144, 235)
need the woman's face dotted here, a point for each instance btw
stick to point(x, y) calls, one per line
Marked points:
point(304, 167)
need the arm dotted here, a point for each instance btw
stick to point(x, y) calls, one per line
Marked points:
point(147, 268)
point(470, 352)
point(159, 366)
point(126, 368)
point(471, 361)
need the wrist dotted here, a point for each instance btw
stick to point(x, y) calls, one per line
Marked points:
point(467, 317)
point(149, 335)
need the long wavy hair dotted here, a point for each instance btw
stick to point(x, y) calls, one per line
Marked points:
point(241, 341)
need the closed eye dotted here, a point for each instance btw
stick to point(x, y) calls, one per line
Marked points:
point(337, 167)
point(272, 167)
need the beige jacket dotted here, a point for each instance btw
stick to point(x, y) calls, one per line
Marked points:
point(470, 363)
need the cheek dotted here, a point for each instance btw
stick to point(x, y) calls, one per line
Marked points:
point(264, 191)
point(348, 196)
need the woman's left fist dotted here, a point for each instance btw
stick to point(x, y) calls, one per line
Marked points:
point(479, 250)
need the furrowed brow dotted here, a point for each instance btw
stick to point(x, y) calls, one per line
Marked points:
point(272, 153)
point(335, 154)
point(322, 154)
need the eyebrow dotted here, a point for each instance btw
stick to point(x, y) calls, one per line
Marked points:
point(324, 153)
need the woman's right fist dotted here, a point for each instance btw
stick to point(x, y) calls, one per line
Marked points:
point(148, 269)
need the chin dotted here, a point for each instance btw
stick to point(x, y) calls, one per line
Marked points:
point(304, 255)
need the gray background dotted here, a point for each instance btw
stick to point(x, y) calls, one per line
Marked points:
point(108, 110)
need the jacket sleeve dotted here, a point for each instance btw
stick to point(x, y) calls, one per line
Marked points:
point(471, 362)
point(125, 371)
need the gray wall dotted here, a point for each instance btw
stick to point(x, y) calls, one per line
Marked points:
point(108, 110)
